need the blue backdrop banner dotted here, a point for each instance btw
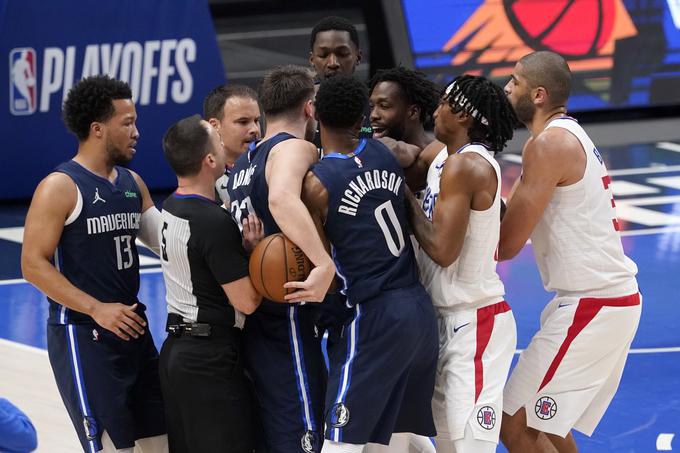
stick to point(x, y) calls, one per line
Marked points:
point(165, 49)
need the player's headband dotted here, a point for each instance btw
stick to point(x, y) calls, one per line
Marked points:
point(456, 97)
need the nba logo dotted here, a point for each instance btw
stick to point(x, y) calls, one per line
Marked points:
point(22, 81)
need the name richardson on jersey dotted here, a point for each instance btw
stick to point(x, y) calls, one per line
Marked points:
point(157, 71)
point(113, 222)
point(364, 183)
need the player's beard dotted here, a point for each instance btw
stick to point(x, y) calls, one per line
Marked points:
point(525, 109)
point(310, 130)
point(117, 156)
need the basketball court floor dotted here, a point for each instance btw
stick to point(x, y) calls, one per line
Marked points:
point(643, 417)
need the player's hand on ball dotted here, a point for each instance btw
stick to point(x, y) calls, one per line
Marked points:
point(315, 287)
point(253, 232)
point(120, 319)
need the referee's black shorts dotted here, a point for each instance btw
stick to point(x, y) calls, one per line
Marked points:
point(209, 405)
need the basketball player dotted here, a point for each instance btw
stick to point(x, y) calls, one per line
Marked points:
point(79, 249)
point(570, 371)
point(233, 111)
point(282, 346)
point(208, 292)
point(457, 231)
point(334, 50)
point(402, 103)
point(382, 363)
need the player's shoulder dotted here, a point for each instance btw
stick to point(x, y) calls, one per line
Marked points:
point(554, 139)
point(296, 146)
point(59, 183)
point(57, 192)
point(469, 167)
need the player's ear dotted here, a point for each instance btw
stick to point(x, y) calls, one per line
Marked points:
point(214, 123)
point(96, 129)
point(414, 112)
point(309, 109)
point(360, 55)
point(539, 95)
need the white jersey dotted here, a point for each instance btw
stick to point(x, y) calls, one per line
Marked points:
point(576, 242)
point(472, 278)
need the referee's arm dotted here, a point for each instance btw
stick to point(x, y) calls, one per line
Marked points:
point(242, 295)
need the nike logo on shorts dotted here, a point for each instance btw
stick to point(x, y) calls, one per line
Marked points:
point(563, 305)
point(456, 329)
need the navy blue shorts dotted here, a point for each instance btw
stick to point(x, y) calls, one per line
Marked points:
point(283, 356)
point(382, 369)
point(107, 384)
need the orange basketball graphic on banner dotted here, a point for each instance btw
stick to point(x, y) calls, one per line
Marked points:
point(569, 27)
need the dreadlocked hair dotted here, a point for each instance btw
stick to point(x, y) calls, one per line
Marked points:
point(494, 119)
point(415, 86)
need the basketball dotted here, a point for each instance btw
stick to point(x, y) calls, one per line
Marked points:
point(551, 25)
point(277, 260)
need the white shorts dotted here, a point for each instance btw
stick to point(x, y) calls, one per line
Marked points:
point(475, 351)
point(569, 374)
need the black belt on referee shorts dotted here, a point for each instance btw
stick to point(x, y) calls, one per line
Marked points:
point(177, 327)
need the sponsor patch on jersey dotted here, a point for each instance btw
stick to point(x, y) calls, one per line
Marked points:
point(546, 408)
point(339, 415)
point(131, 194)
point(486, 417)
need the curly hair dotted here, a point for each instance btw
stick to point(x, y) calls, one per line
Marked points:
point(341, 101)
point(334, 23)
point(414, 85)
point(91, 100)
point(213, 104)
point(494, 118)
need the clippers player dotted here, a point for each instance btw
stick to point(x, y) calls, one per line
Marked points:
point(570, 371)
point(383, 360)
point(79, 249)
point(457, 230)
point(282, 345)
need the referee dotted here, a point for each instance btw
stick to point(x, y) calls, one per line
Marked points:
point(209, 405)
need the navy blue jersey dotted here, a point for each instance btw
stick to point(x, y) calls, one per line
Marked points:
point(366, 221)
point(248, 190)
point(97, 251)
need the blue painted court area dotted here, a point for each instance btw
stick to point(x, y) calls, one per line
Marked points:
point(647, 189)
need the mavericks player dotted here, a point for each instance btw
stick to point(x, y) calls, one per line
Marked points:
point(79, 249)
point(383, 360)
